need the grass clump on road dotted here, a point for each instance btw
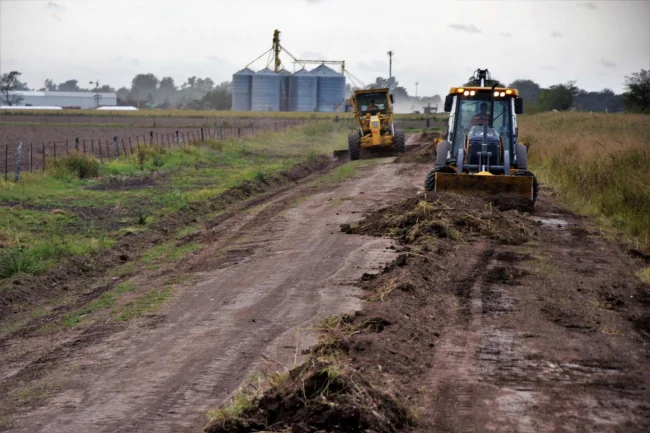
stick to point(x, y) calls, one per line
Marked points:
point(597, 164)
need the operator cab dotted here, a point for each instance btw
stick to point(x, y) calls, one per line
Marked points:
point(372, 103)
point(478, 111)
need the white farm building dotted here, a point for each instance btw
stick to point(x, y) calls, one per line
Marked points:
point(66, 99)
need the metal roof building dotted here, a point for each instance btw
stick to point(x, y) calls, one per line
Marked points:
point(66, 99)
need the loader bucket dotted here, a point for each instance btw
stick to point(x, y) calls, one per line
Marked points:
point(485, 185)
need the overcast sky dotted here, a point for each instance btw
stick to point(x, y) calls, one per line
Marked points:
point(436, 43)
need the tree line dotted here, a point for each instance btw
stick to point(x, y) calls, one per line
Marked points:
point(148, 91)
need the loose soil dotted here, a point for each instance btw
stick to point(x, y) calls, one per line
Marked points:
point(425, 153)
point(434, 313)
point(496, 326)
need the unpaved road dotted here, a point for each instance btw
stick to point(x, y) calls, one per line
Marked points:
point(287, 265)
point(532, 338)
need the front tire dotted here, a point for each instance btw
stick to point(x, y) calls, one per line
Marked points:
point(353, 146)
point(399, 142)
point(430, 181)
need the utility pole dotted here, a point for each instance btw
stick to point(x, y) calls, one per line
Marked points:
point(416, 89)
point(390, 70)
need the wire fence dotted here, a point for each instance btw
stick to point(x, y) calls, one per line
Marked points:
point(34, 157)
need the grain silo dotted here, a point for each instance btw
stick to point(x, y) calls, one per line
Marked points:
point(331, 89)
point(303, 91)
point(266, 91)
point(284, 89)
point(242, 90)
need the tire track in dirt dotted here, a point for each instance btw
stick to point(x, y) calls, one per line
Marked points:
point(293, 266)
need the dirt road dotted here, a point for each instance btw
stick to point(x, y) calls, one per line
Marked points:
point(544, 332)
point(286, 265)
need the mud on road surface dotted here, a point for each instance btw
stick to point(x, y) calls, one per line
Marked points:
point(469, 319)
point(263, 278)
point(490, 321)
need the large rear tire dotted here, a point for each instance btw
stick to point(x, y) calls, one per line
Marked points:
point(400, 142)
point(430, 181)
point(535, 184)
point(353, 146)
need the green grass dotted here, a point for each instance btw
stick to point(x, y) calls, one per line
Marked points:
point(644, 275)
point(53, 215)
point(598, 165)
point(144, 304)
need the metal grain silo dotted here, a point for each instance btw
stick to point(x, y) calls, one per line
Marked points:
point(331, 89)
point(284, 89)
point(242, 90)
point(303, 91)
point(266, 91)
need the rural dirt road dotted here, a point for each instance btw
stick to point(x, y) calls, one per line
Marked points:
point(549, 334)
point(287, 264)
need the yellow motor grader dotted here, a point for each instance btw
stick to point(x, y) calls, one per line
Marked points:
point(375, 134)
point(480, 153)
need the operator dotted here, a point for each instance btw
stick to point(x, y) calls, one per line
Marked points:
point(373, 107)
point(482, 118)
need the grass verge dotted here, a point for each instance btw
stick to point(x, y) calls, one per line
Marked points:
point(597, 164)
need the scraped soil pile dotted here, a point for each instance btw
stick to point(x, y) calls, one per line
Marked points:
point(426, 153)
point(389, 344)
point(319, 396)
point(445, 216)
point(71, 276)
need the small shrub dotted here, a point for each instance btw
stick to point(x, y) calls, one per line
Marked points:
point(76, 164)
point(15, 261)
point(146, 152)
point(178, 199)
point(142, 218)
point(261, 175)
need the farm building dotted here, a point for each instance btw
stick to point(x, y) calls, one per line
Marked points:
point(66, 99)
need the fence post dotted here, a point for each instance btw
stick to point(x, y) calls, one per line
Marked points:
point(55, 151)
point(67, 148)
point(177, 138)
point(238, 132)
point(151, 137)
point(99, 145)
point(19, 153)
point(131, 145)
point(6, 162)
point(31, 158)
point(124, 148)
point(116, 143)
point(108, 150)
point(43, 157)
point(84, 143)
point(202, 138)
point(76, 144)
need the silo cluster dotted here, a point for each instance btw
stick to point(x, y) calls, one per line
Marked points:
point(321, 89)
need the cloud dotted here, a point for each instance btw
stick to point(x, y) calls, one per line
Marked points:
point(54, 6)
point(548, 67)
point(587, 5)
point(311, 55)
point(556, 34)
point(506, 35)
point(607, 63)
point(470, 28)
point(372, 66)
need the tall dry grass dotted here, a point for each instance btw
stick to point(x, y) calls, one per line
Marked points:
point(599, 164)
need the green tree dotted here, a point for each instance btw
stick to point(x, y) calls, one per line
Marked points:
point(558, 97)
point(143, 85)
point(69, 86)
point(637, 97)
point(9, 83)
point(528, 90)
point(50, 85)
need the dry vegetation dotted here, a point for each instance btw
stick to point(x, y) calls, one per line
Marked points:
point(598, 165)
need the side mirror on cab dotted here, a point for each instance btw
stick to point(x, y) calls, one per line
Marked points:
point(392, 100)
point(449, 101)
point(519, 106)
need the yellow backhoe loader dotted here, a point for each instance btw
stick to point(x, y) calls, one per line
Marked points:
point(480, 153)
point(375, 134)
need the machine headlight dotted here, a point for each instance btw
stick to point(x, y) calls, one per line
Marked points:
point(496, 93)
point(466, 93)
point(472, 93)
point(502, 94)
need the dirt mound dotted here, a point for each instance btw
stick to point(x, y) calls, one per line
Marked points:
point(426, 153)
point(506, 202)
point(445, 216)
point(318, 396)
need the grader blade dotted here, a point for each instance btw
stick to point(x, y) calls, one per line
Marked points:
point(485, 185)
point(370, 152)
